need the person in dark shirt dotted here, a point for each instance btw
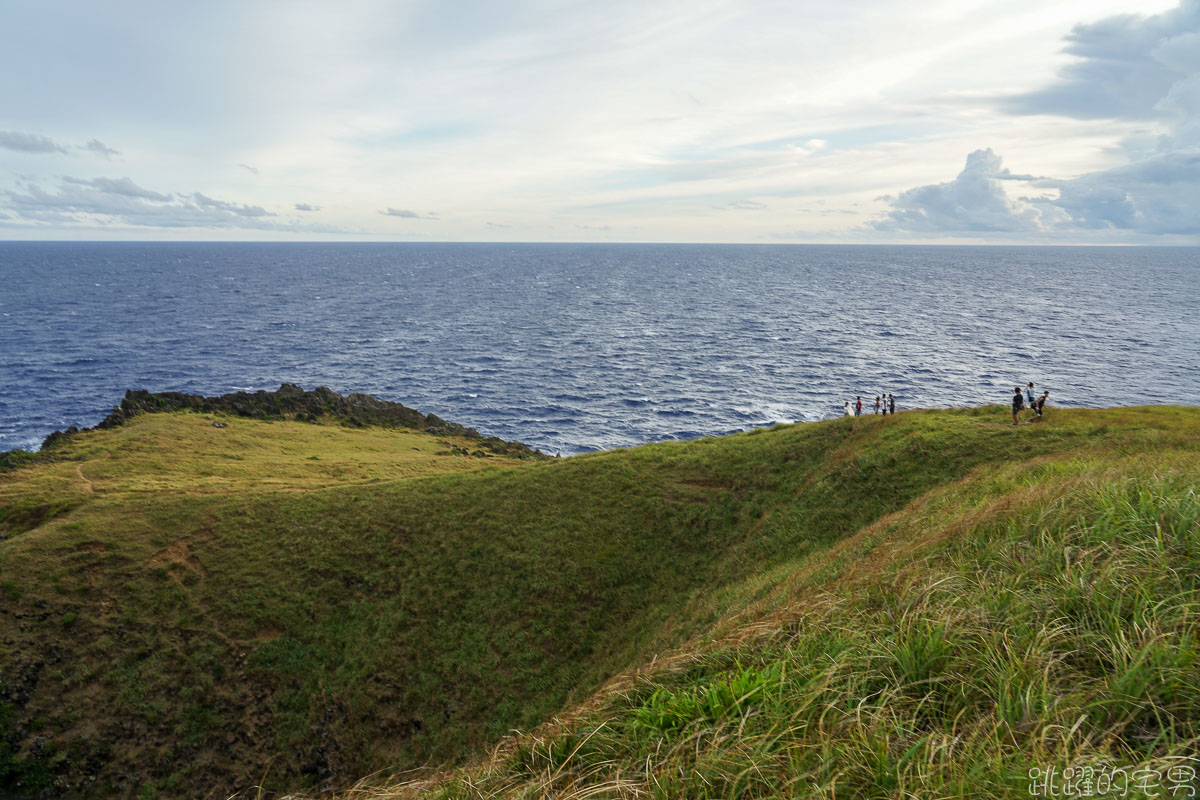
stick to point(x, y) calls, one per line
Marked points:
point(1018, 404)
point(858, 406)
point(891, 404)
point(1039, 405)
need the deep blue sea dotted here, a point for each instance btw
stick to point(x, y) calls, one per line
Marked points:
point(581, 347)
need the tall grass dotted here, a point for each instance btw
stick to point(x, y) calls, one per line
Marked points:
point(1063, 633)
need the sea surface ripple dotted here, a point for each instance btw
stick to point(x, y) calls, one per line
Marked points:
point(573, 348)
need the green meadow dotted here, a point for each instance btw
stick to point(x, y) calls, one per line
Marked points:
point(930, 604)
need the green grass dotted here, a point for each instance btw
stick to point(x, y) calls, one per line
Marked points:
point(928, 603)
point(1060, 630)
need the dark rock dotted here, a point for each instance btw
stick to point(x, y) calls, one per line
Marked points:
point(58, 437)
point(289, 401)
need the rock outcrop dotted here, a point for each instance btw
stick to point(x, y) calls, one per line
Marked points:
point(289, 401)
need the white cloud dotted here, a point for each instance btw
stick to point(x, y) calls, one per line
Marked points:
point(1124, 65)
point(107, 201)
point(29, 143)
point(975, 201)
point(662, 118)
point(1157, 195)
point(1145, 68)
point(120, 186)
point(230, 208)
point(1154, 196)
point(100, 148)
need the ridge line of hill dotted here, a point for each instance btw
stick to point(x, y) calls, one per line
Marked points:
point(289, 401)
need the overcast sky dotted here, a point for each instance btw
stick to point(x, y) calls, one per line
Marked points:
point(1040, 121)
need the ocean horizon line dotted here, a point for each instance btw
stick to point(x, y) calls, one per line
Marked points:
point(428, 242)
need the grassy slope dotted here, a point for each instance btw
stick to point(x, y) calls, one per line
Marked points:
point(1043, 612)
point(202, 618)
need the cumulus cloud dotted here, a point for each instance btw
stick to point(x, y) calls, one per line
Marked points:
point(307, 207)
point(29, 143)
point(101, 149)
point(973, 201)
point(1156, 195)
point(107, 201)
point(1127, 67)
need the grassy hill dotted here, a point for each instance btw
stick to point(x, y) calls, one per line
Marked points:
point(932, 602)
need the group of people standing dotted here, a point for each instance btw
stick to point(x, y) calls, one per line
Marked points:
point(884, 404)
point(1036, 404)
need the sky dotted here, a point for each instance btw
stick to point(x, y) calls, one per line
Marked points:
point(882, 121)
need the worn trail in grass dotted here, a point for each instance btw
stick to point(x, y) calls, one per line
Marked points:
point(315, 603)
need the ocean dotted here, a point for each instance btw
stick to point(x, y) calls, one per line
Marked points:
point(580, 347)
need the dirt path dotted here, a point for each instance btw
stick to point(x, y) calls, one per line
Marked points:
point(87, 485)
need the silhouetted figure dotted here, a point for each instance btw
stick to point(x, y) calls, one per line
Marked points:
point(1018, 403)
